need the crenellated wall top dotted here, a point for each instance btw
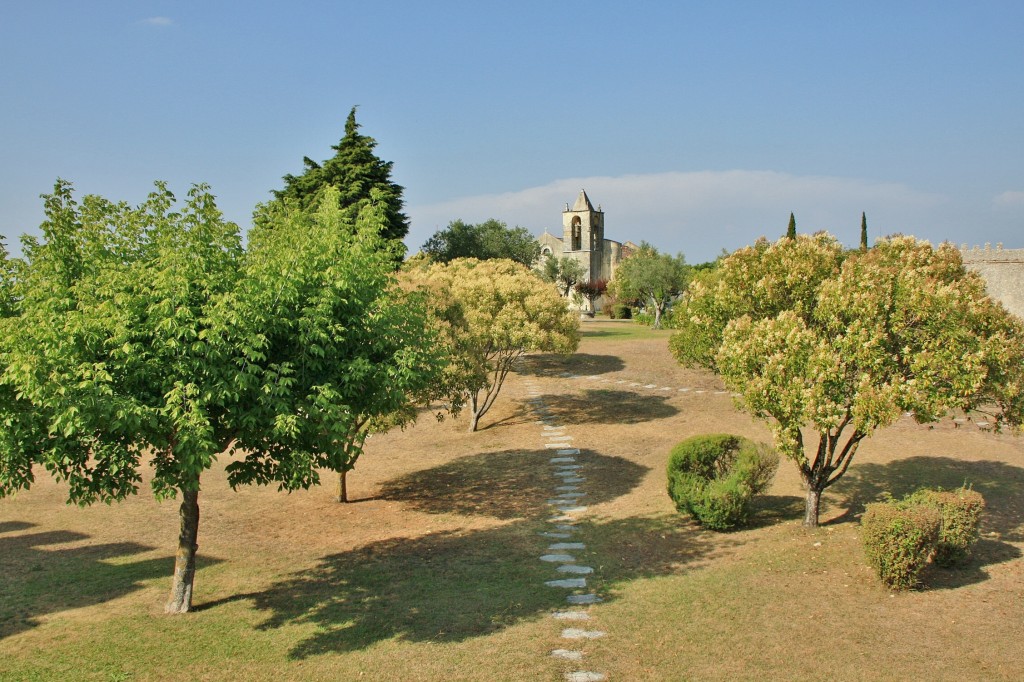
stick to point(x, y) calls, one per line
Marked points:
point(990, 254)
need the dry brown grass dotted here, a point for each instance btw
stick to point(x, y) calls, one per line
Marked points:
point(432, 573)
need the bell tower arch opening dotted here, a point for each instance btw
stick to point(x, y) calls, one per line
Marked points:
point(576, 238)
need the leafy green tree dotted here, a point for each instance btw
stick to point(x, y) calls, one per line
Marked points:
point(147, 337)
point(339, 349)
point(654, 278)
point(831, 346)
point(355, 172)
point(492, 312)
point(564, 273)
point(490, 239)
point(112, 349)
point(791, 231)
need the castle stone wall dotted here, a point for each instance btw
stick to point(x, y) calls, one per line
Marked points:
point(1003, 272)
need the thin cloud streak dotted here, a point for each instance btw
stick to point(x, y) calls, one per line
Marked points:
point(700, 213)
point(158, 21)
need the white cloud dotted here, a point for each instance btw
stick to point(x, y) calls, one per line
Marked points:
point(1011, 198)
point(701, 213)
point(158, 21)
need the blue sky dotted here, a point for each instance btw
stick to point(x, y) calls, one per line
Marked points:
point(697, 126)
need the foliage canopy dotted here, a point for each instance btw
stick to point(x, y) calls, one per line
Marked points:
point(491, 312)
point(356, 173)
point(654, 278)
point(147, 336)
point(565, 273)
point(822, 342)
point(490, 239)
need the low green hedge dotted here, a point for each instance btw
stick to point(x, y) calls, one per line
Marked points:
point(961, 513)
point(714, 477)
point(899, 540)
point(931, 524)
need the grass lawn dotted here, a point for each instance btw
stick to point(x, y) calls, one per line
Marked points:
point(432, 573)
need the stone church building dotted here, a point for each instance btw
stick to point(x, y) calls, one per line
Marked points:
point(583, 240)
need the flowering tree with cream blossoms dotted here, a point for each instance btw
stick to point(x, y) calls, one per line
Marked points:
point(827, 345)
point(492, 312)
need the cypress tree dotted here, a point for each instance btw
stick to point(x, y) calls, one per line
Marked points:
point(791, 232)
point(356, 172)
point(863, 231)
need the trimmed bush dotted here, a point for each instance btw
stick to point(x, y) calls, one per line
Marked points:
point(961, 513)
point(619, 311)
point(713, 478)
point(898, 540)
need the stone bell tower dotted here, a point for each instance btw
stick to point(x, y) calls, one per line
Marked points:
point(583, 239)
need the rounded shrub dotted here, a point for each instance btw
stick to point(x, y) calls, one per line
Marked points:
point(714, 477)
point(621, 312)
point(899, 539)
point(960, 512)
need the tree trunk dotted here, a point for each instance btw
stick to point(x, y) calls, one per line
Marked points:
point(474, 419)
point(813, 506)
point(343, 486)
point(657, 317)
point(180, 600)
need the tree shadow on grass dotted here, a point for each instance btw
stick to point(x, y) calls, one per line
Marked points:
point(586, 364)
point(768, 510)
point(505, 484)
point(1002, 486)
point(453, 586)
point(607, 406)
point(37, 581)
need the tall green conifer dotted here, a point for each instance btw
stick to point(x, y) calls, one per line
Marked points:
point(355, 171)
point(791, 232)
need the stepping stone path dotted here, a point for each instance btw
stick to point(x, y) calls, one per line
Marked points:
point(567, 468)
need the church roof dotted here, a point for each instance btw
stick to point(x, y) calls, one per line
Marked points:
point(583, 202)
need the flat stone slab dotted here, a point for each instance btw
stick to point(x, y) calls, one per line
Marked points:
point(572, 479)
point(566, 527)
point(568, 467)
point(567, 545)
point(572, 496)
point(567, 488)
point(557, 436)
point(585, 676)
point(685, 390)
point(579, 633)
point(567, 655)
point(575, 570)
point(583, 599)
point(575, 614)
point(561, 518)
point(555, 446)
point(568, 583)
point(568, 451)
point(650, 385)
point(562, 460)
point(557, 558)
point(573, 510)
point(556, 535)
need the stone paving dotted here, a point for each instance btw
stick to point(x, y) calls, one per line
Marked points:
point(568, 469)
